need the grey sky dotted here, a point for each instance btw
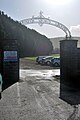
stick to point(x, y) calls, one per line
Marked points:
point(67, 13)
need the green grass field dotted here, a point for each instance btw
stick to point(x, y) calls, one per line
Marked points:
point(34, 58)
point(55, 55)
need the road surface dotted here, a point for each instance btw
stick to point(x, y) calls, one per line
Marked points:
point(36, 97)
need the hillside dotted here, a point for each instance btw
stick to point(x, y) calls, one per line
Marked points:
point(30, 42)
point(56, 41)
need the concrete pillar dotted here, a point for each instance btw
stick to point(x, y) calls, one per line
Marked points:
point(69, 72)
point(68, 63)
point(0, 57)
point(10, 64)
point(78, 60)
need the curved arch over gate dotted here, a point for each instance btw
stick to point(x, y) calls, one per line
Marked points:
point(42, 20)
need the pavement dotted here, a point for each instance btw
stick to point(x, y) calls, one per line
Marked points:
point(36, 97)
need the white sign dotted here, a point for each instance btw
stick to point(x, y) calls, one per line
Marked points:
point(10, 55)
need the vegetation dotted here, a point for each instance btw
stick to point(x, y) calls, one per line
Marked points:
point(30, 42)
point(56, 55)
point(34, 58)
point(30, 58)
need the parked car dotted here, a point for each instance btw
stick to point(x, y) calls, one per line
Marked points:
point(46, 60)
point(39, 59)
point(55, 62)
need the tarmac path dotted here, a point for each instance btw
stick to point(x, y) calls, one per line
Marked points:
point(36, 97)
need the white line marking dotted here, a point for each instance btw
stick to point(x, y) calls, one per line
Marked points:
point(18, 94)
point(38, 100)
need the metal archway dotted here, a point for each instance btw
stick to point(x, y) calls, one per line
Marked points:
point(42, 20)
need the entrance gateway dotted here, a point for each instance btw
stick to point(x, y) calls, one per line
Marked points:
point(69, 61)
point(69, 72)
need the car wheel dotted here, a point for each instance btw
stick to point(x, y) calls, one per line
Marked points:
point(40, 62)
point(48, 63)
point(56, 64)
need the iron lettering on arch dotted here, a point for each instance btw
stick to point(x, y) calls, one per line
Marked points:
point(42, 20)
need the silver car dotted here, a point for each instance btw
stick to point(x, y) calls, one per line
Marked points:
point(47, 60)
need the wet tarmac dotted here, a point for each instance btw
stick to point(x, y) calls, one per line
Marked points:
point(39, 74)
point(36, 97)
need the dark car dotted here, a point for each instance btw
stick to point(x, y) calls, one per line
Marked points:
point(39, 59)
point(55, 62)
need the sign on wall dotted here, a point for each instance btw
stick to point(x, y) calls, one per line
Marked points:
point(10, 56)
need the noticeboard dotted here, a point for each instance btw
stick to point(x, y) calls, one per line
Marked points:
point(10, 56)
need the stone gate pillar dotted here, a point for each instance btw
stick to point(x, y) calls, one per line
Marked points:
point(10, 62)
point(68, 62)
point(69, 81)
point(0, 57)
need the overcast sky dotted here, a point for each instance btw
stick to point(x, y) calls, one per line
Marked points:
point(66, 12)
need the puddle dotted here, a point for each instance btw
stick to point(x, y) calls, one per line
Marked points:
point(39, 74)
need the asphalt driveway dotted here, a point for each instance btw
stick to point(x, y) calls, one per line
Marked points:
point(36, 97)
